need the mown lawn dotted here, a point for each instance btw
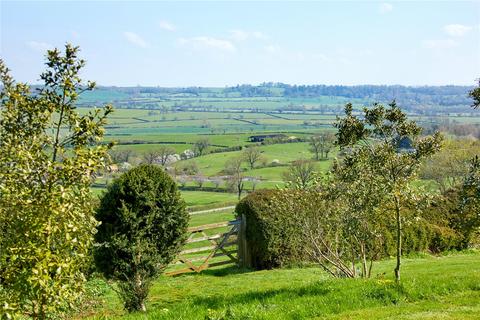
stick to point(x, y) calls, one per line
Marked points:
point(446, 287)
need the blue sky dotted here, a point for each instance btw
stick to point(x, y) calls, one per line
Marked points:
point(227, 43)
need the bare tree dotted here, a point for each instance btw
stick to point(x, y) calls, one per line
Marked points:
point(150, 157)
point(182, 180)
point(321, 144)
point(252, 155)
point(164, 153)
point(233, 168)
point(254, 181)
point(300, 173)
point(187, 168)
point(217, 181)
point(200, 180)
point(201, 146)
point(119, 156)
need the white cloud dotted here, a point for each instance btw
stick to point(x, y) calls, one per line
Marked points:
point(272, 48)
point(239, 35)
point(440, 44)
point(204, 42)
point(39, 46)
point(135, 39)
point(165, 25)
point(242, 35)
point(456, 30)
point(321, 57)
point(259, 35)
point(385, 8)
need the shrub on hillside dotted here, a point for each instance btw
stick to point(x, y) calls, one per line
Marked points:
point(297, 225)
point(274, 239)
point(143, 226)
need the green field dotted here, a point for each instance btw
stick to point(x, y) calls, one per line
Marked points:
point(201, 198)
point(445, 287)
point(146, 120)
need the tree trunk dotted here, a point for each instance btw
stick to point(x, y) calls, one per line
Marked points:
point(364, 260)
point(399, 240)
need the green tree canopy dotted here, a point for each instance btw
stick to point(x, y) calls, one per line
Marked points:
point(49, 154)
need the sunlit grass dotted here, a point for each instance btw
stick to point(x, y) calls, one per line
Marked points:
point(445, 287)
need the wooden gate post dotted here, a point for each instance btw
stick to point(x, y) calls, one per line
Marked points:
point(244, 259)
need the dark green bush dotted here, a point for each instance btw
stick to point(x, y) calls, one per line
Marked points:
point(143, 226)
point(274, 240)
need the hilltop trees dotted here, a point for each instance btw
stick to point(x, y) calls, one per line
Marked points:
point(48, 156)
point(143, 226)
point(374, 141)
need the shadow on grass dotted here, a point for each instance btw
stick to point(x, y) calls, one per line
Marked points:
point(221, 272)
point(260, 295)
point(226, 271)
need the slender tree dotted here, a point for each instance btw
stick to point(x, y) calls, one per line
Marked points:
point(235, 181)
point(375, 139)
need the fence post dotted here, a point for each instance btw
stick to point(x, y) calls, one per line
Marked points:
point(244, 258)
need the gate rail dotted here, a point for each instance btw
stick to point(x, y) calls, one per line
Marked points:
point(216, 245)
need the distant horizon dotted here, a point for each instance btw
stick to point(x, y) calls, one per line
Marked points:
point(98, 85)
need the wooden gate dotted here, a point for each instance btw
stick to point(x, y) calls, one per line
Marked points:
point(208, 246)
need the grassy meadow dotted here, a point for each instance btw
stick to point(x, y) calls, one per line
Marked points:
point(433, 287)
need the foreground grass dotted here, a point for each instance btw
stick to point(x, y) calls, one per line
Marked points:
point(445, 287)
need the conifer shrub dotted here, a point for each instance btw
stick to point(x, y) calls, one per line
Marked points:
point(143, 227)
